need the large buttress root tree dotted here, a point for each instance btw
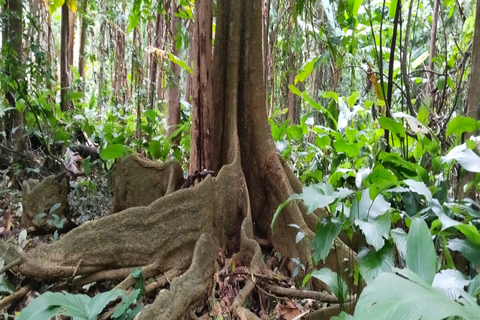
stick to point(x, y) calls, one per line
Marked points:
point(185, 229)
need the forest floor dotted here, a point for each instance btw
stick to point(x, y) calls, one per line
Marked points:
point(274, 297)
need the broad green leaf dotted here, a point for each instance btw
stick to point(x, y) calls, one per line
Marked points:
point(351, 150)
point(368, 209)
point(474, 286)
point(465, 157)
point(305, 70)
point(326, 232)
point(54, 207)
point(372, 263)
point(459, 125)
point(74, 95)
point(393, 126)
point(407, 297)
point(470, 232)
point(318, 106)
point(343, 316)
point(317, 195)
point(126, 302)
point(420, 188)
point(421, 255)
point(113, 151)
point(356, 6)
point(295, 90)
point(334, 281)
point(420, 59)
point(399, 237)
point(451, 282)
point(100, 301)
point(392, 8)
point(78, 306)
point(179, 62)
point(470, 251)
point(375, 231)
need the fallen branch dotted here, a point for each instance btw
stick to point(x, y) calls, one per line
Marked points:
point(8, 301)
point(11, 265)
point(302, 294)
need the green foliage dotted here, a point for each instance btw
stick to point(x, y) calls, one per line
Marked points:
point(78, 306)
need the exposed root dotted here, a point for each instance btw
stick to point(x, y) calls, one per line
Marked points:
point(237, 306)
point(103, 275)
point(187, 290)
point(162, 280)
point(328, 312)
point(18, 295)
point(302, 294)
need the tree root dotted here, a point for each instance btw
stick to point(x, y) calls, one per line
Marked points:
point(18, 295)
point(237, 306)
point(302, 294)
point(188, 289)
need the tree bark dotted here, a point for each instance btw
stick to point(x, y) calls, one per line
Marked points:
point(154, 63)
point(83, 37)
point(13, 50)
point(203, 126)
point(433, 41)
point(64, 82)
point(174, 90)
point(473, 106)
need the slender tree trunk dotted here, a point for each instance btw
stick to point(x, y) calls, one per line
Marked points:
point(433, 41)
point(71, 39)
point(154, 63)
point(120, 64)
point(64, 57)
point(473, 107)
point(174, 90)
point(101, 55)
point(13, 50)
point(188, 77)
point(203, 125)
point(83, 37)
point(162, 39)
point(291, 97)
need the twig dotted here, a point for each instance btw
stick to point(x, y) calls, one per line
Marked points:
point(11, 265)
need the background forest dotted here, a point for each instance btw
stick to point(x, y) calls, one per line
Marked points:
point(373, 105)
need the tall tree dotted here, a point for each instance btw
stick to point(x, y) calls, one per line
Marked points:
point(12, 51)
point(473, 106)
point(203, 125)
point(83, 38)
point(64, 74)
point(185, 229)
point(174, 88)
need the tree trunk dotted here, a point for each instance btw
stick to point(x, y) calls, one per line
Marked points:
point(203, 125)
point(64, 57)
point(153, 62)
point(120, 87)
point(83, 37)
point(227, 212)
point(71, 40)
point(174, 90)
point(13, 50)
point(473, 107)
point(433, 41)
point(101, 55)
